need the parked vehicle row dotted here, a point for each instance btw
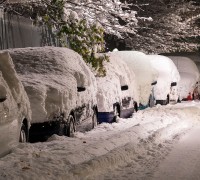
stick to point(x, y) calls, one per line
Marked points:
point(61, 95)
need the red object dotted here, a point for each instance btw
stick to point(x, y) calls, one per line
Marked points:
point(189, 97)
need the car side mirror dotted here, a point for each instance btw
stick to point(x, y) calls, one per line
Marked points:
point(124, 88)
point(80, 89)
point(154, 83)
point(173, 84)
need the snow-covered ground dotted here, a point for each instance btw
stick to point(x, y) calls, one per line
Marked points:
point(130, 149)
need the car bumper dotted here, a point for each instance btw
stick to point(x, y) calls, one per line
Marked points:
point(109, 116)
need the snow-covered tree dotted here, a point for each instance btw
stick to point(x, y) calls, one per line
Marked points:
point(175, 27)
point(82, 22)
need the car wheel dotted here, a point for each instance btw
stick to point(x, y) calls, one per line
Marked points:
point(135, 107)
point(168, 99)
point(71, 127)
point(23, 134)
point(94, 119)
point(116, 114)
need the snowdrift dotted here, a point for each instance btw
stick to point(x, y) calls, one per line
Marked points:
point(189, 74)
point(51, 76)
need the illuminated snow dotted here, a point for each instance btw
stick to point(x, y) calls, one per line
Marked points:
point(146, 137)
point(51, 76)
point(139, 63)
point(189, 74)
point(167, 73)
point(109, 87)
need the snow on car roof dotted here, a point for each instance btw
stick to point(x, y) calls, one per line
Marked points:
point(185, 64)
point(165, 67)
point(189, 74)
point(51, 76)
point(139, 63)
point(109, 87)
point(167, 73)
point(49, 60)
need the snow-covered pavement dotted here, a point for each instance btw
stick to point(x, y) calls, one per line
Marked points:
point(130, 149)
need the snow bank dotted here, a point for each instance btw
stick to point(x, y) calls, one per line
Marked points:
point(139, 63)
point(51, 76)
point(97, 154)
point(189, 74)
point(109, 87)
point(167, 73)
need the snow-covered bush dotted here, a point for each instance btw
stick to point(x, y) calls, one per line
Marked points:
point(81, 23)
point(69, 27)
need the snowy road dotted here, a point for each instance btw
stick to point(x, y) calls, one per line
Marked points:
point(184, 160)
point(156, 143)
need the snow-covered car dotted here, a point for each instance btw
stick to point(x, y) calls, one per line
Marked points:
point(189, 75)
point(14, 107)
point(115, 96)
point(145, 75)
point(165, 90)
point(61, 88)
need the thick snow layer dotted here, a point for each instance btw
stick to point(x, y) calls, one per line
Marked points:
point(189, 74)
point(51, 76)
point(186, 84)
point(14, 105)
point(185, 64)
point(139, 63)
point(167, 73)
point(130, 149)
point(14, 87)
point(109, 87)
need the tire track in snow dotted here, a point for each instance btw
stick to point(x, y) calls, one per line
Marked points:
point(134, 148)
